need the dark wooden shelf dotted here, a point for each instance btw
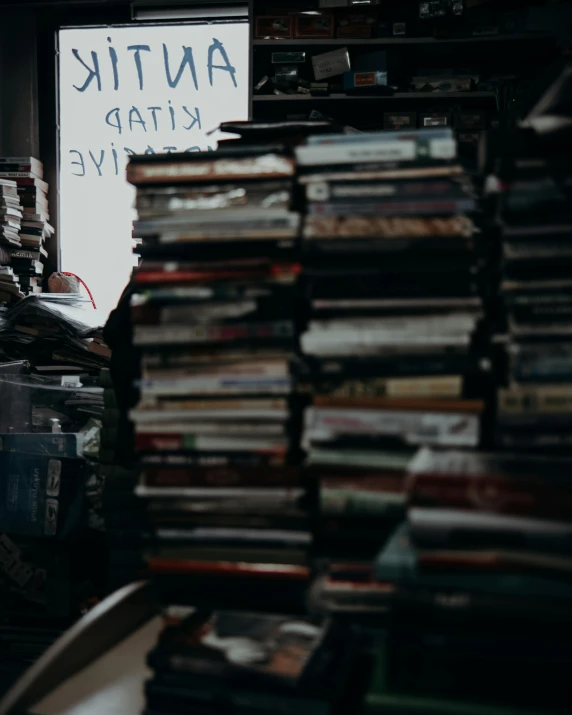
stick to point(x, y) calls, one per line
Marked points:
point(370, 98)
point(400, 40)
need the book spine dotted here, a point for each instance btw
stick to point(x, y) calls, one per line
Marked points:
point(392, 208)
point(183, 334)
point(172, 458)
point(535, 400)
point(220, 477)
point(489, 493)
point(430, 428)
point(198, 443)
point(383, 151)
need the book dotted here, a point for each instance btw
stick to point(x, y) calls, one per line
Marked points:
point(220, 428)
point(438, 145)
point(221, 477)
point(413, 427)
point(202, 646)
point(442, 386)
point(227, 164)
point(364, 191)
point(35, 166)
point(36, 492)
point(25, 178)
point(223, 385)
point(181, 334)
point(165, 442)
point(451, 528)
point(398, 563)
point(535, 400)
point(272, 410)
point(336, 227)
point(393, 208)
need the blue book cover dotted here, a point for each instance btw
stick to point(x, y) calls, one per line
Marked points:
point(40, 496)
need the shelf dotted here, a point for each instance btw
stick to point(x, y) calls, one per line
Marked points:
point(397, 95)
point(399, 40)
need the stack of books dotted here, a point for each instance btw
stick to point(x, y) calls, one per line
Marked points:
point(486, 547)
point(214, 317)
point(391, 275)
point(27, 252)
point(535, 410)
point(10, 218)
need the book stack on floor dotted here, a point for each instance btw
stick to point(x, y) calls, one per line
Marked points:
point(535, 410)
point(391, 275)
point(28, 253)
point(485, 548)
point(214, 317)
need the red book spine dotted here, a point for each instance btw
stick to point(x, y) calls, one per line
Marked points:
point(227, 568)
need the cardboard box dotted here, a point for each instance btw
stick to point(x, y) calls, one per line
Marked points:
point(273, 26)
point(314, 26)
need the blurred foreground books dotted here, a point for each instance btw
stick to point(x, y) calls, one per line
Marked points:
point(318, 435)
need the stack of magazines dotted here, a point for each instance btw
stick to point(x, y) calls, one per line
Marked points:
point(57, 333)
point(214, 317)
point(391, 274)
point(535, 410)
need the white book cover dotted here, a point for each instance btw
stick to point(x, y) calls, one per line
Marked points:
point(415, 428)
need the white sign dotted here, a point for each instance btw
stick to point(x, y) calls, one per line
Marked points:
point(332, 63)
point(133, 90)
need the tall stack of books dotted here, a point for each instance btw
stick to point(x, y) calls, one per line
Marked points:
point(535, 410)
point(391, 275)
point(10, 217)
point(214, 317)
point(27, 256)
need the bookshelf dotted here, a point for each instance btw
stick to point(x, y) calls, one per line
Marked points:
point(357, 98)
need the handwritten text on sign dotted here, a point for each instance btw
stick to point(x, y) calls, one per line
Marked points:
point(181, 69)
point(138, 89)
